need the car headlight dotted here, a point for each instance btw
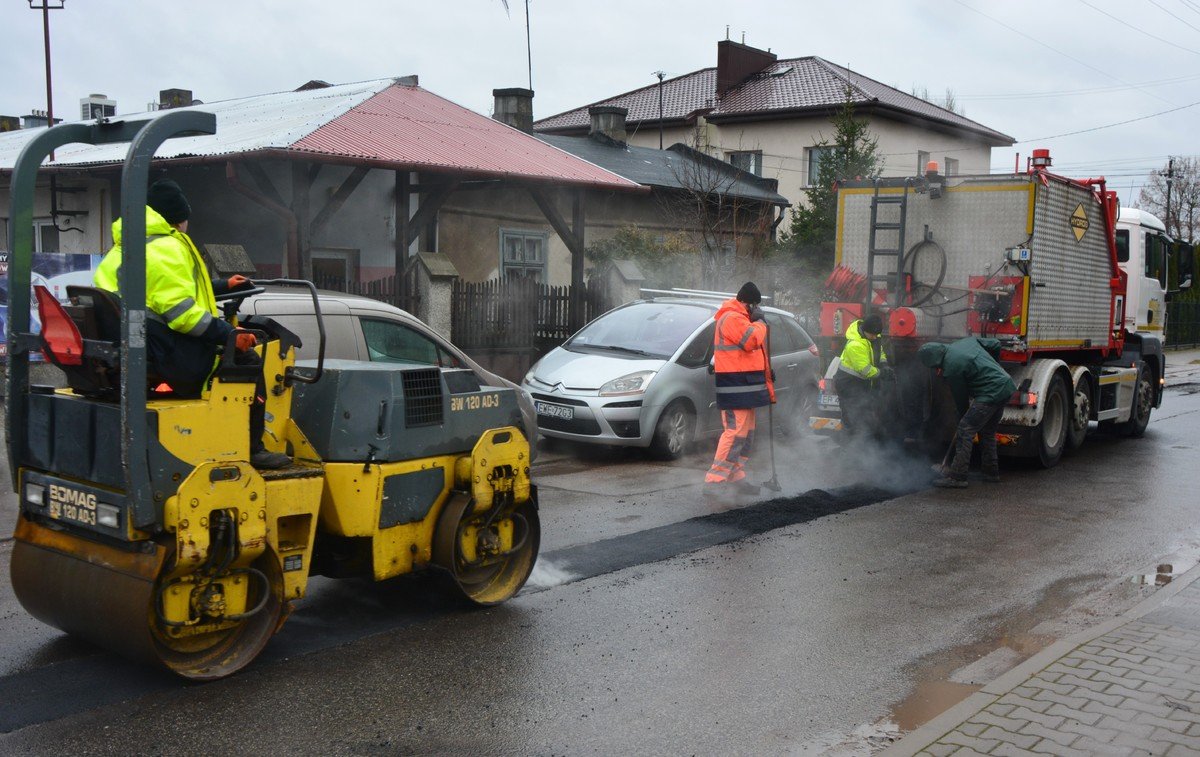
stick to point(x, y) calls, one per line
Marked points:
point(529, 377)
point(633, 383)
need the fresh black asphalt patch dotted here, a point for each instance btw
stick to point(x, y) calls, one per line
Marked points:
point(351, 610)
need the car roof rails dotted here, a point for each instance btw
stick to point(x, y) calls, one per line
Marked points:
point(699, 294)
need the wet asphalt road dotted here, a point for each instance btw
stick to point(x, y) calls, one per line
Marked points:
point(662, 623)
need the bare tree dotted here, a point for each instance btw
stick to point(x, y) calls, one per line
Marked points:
point(1182, 218)
point(731, 231)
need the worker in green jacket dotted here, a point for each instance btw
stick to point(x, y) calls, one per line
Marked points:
point(184, 330)
point(862, 367)
point(981, 388)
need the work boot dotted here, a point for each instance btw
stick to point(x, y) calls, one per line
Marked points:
point(264, 459)
point(745, 487)
point(940, 470)
point(950, 482)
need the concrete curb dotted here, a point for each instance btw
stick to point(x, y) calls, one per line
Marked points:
point(933, 730)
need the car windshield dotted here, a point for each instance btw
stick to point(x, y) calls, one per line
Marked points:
point(647, 329)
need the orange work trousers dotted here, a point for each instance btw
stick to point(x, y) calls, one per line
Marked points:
point(733, 448)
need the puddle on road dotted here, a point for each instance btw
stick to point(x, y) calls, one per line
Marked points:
point(1175, 565)
point(928, 700)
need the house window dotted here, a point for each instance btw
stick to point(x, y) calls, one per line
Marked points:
point(523, 254)
point(45, 236)
point(922, 161)
point(951, 166)
point(749, 161)
point(815, 156)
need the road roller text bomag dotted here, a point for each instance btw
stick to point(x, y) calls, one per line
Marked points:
point(142, 526)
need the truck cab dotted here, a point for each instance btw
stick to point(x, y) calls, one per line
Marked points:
point(1145, 253)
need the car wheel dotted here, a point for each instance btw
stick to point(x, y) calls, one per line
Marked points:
point(1080, 412)
point(674, 432)
point(1143, 403)
point(1052, 431)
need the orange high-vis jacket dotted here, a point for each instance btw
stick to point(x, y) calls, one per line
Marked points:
point(740, 359)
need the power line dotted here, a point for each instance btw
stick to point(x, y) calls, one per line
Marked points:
point(1083, 91)
point(1109, 126)
point(1142, 31)
point(1060, 52)
point(1172, 15)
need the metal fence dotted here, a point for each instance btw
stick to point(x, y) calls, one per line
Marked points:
point(399, 290)
point(1183, 324)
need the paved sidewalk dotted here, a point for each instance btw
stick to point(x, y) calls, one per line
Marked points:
point(1130, 686)
point(1183, 366)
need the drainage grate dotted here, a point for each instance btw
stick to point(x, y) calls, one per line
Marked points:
point(422, 397)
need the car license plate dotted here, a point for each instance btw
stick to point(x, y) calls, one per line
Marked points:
point(828, 400)
point(555, 411)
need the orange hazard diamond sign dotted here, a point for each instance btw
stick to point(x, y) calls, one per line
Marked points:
point(1079, 222)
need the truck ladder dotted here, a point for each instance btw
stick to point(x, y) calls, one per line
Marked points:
point(894, 282)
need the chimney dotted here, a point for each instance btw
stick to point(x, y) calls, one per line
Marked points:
point(174, 98)
point(514, 106)
point(608, 120)
point(737, 62)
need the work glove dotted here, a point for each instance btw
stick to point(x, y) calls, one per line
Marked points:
point(236, 281)
point(886, 373)
point(756, 313)
point(245, 341)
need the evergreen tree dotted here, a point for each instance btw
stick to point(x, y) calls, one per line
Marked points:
point(852, 154)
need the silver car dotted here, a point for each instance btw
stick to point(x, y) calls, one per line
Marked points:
point(359, 328)
point(639, 376)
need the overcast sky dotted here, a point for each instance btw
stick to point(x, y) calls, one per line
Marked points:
point(1029, 69)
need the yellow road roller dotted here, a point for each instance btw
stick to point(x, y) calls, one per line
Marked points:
point(144, 529)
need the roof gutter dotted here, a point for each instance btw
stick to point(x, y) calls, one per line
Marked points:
point(292, 252)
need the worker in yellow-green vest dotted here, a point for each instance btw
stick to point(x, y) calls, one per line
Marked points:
point(863, 367)
point(184, 330)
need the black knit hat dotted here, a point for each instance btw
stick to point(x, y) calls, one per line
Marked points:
point(166, 198)
point(872, 324)
point(749, 294)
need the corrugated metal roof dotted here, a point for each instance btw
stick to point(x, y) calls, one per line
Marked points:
point(792, 84)
point(247, 124)
point(381, 122)
point(678, 167)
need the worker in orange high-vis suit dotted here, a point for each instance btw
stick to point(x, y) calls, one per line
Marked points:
point(744, 382)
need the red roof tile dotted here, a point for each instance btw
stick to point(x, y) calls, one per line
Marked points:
point(409, 127)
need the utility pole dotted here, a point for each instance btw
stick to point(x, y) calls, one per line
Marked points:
point(45, 8)
point(1170, 180)
point(528, 45)
point(659, 74)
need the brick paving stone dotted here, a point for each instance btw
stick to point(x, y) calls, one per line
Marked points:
point(1166, 691)
point(1046, 721)
point(1140, 742)
point(1120, 691)
point(1106, 698)
point(1177, 726)
point(973, 729)
point(1010, 737)
point(961, 739)
point(940, 750)
point(1095, 747)
point(990, 718)
point(1010, 750)
point(1140, 730)
point(1115, 713)
point(1057, 688)
point(1062, 738)
point(1037, 705)
point(1182, 751)
point(1175, 738)
point(1091, 731)
point(968, 752)
point(1070, 715)
point(1058, 750)
point(1074, 703)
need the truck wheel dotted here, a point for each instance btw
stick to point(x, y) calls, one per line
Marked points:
point(1081, 411)
point(1143, 403)
point(674, 431)
point(1052, 431)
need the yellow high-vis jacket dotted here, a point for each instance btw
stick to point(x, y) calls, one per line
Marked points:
point(858, 357)
point(179, 291)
